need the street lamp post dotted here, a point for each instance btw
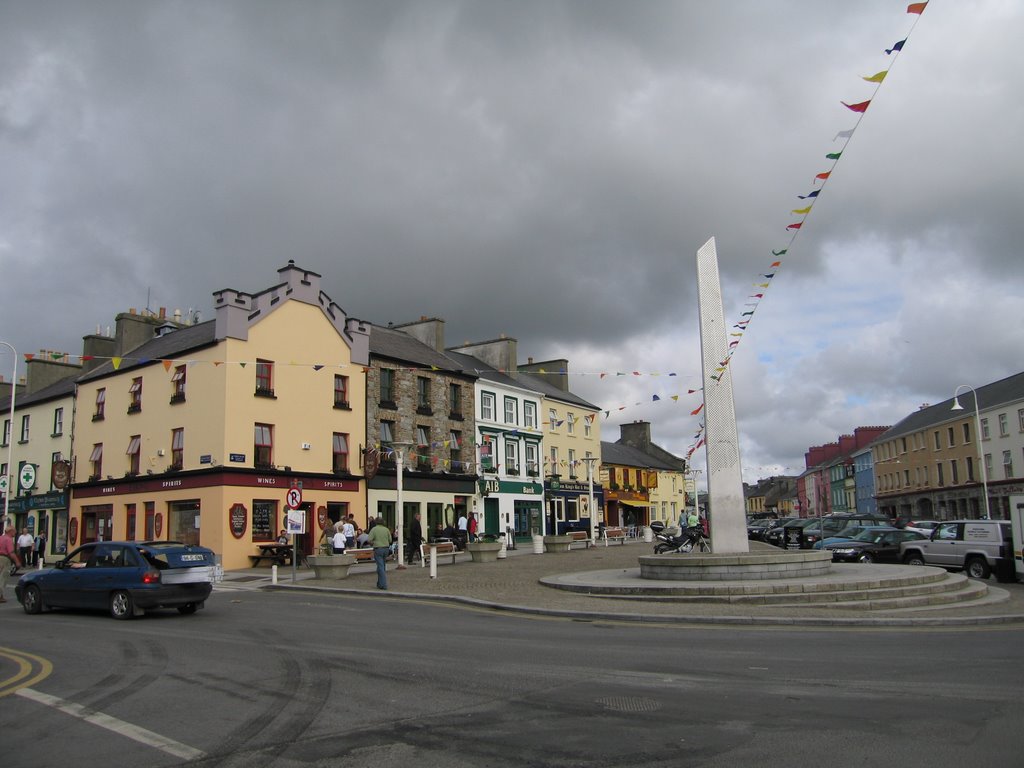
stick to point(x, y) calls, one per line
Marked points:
point(590, 492)
point(400, 448)
point(977, 437)
point(10, 437)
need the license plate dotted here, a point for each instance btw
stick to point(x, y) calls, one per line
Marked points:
point(193, 558)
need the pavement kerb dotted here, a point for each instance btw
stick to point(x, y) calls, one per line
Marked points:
point(639, 618)
point(513, 585)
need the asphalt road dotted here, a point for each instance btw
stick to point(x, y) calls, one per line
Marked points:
point(299, 679)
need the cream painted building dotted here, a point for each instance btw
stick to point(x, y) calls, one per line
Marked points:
point(199, 433)
point(40, 435)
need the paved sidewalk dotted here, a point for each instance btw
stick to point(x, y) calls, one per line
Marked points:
point(513, 584)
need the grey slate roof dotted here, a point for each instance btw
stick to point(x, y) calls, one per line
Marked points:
point(58, 389)
point(400, 346)
point(473, 366)
point(168, 346)
point(1008, 390)
point(625, 455)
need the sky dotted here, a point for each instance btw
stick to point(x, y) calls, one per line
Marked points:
point(544, 170)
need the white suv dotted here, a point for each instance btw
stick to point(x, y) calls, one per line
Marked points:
point(979, 547)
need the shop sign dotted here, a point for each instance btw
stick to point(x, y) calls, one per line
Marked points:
point(158, 524)
point(60, 474)
point(238, 520)
point(73, 532)
point(321, 517)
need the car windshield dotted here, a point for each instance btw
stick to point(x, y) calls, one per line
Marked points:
point(850, 531)
point(872, 535)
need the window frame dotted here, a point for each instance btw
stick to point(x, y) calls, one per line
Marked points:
point(341, 392)
point(178, 382)
point(100, 404)
point(58, 422)
point(340, 453)
point(264, 378)
point(263, 449)
point(177, 447)
point(134, 454)
point(488, 404)
point(529, 414)
point(135, 395)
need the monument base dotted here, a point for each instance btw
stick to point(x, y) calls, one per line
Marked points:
point(797, 564)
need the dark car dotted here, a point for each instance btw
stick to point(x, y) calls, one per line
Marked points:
point(126, 578)
point(872, 545)
point(806, 536)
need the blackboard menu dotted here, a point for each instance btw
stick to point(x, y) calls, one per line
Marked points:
point(263, 515)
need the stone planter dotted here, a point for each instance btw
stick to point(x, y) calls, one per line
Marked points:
point(483, 551)
point(331, 566)
point(557, 543)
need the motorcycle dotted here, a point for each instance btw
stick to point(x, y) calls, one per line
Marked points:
point(683, 542)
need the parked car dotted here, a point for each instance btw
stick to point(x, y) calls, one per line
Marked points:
point(979, 547)
point(805, 536)
point(125, 578)
point(849, 532)
point(762, 534)
point(757, 528)
point(922, 526)
point(873, 545)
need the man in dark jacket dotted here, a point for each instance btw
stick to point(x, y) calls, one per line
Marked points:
point(415, 539)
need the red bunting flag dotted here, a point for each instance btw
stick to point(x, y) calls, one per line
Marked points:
point(795, 226)
point(917, 8)
point(823, 175)
point(697, 410)
point(776, 263)
point(861, 107)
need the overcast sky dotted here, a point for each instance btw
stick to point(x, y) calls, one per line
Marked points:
point(546, 170)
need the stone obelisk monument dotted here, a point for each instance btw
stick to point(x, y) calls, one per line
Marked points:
point(721, 439)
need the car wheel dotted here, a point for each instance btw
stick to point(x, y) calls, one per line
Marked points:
point(867, 557)
point(32, 600)
point(914, 558)
point(121, 605)
point(977, 568)
point(187, 609)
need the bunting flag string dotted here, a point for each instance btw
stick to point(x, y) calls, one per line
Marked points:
point(795, 228)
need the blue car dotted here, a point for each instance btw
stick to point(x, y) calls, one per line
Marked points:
point(125, 578)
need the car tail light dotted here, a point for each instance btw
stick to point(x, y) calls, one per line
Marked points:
point(151, 577)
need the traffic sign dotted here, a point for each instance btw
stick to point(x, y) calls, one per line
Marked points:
point(3, 484)
point(294, 498)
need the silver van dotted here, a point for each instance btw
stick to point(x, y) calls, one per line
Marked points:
point(979, 547)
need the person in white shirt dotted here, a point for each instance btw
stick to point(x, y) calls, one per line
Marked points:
point(349, 529)
point(339, 542)
point(26, 544)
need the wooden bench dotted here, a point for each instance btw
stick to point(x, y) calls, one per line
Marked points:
point(362, 555)
point(440, 548)
point(579, 537)
point(619, 534)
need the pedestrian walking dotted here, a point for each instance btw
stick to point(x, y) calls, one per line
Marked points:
point(471, 526)
point(39, 555)
point(348, 528)
point(415, 538)
point(8, 557)
point(26, 546)
point(380, 540)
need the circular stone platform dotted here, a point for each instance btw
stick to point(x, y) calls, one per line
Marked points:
point(745, 566)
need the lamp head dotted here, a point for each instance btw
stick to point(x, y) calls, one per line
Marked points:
point(956, 404)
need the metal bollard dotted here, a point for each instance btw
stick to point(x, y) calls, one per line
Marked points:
point(433, 563)
point(273, 574)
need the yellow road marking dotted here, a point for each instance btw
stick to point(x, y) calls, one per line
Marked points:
point(31, 669)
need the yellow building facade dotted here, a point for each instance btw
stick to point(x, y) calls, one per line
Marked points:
point(200, 433)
